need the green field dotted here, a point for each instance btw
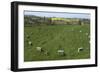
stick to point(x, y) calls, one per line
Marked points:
point(53, 37)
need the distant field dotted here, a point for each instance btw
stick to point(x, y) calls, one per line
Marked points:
point(53, 37)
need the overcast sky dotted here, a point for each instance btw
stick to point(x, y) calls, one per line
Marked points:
point(58, 14)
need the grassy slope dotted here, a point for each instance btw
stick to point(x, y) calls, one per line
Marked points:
point(51, 37)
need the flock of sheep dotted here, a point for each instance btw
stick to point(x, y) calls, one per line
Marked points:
point(60, 51)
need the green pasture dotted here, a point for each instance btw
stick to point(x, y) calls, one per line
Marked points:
point(53, 37)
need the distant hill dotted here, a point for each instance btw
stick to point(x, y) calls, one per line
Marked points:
point(36, 20)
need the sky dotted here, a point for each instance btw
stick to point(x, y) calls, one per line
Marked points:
point(58, 14)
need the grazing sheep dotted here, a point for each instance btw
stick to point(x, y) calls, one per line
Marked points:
point(86, 33)
point(61, 52)
point(39, 49)
point(30, 43)
point(80, 49)
point(80, 31)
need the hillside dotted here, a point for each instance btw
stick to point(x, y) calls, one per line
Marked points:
point(36, 20)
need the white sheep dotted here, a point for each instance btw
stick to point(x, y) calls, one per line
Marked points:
point(86, 33)
point(80, 49)
point(80, 31)
point(39, 49)
point(61, 52)
point(30, 43)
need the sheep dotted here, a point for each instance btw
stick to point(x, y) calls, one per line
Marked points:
point(86, 33)
point(80, 49)
point(39, 49)
point(80, 31)
point(30, 43)
point(61, 52)
point(31, 33)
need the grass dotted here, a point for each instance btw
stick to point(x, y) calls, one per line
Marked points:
point(53, 37)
